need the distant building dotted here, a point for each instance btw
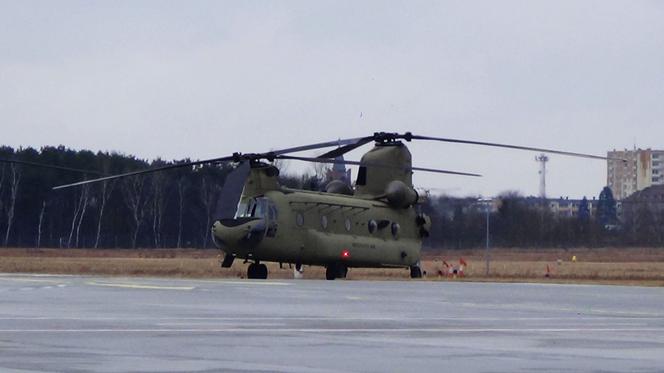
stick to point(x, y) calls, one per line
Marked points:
point(565, 207)
point(644, 168)
point(649, 200)
point(559, 207)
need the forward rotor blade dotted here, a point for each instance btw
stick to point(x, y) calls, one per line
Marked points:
point(232, 191)
point(44, 165)
point(356, 163)
point(146, 171)
point(508, 146)
point(215, 160)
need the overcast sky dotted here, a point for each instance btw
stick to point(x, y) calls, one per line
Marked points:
point(206, 78)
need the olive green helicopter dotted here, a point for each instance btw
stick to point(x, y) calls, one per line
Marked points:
point(376, 224)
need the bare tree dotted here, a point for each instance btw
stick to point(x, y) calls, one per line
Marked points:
point(181, 188)
point(209, 193)
point(158, 206)
point(321, 170)
point(14, 183)
point(79, 211)
point(39, 227)
point(84, 208)
point(106, 189)
point(2, 183)
point(133, 189)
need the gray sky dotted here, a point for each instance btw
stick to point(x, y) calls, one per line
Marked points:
point(201, 79)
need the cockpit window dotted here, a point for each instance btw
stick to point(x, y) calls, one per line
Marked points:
point(259, 207)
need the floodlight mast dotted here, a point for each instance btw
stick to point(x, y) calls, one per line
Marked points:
point(487, 202)
point(542, 159)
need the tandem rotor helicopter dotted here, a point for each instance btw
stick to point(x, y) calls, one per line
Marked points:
point(376, 224)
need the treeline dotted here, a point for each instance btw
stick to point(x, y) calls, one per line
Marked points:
point(168, 209)
point(517, 221)
point(176, 209)
point(164, 209)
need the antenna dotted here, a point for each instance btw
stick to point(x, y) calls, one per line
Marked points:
point(542, 159)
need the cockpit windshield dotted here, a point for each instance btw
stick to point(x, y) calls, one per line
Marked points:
point(260, 207)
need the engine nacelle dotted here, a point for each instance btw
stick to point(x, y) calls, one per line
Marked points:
point(338, 187)
point(400, 195)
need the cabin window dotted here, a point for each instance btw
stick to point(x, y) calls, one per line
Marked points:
point(299, 219)
point(395, 230)
point(362, 176)
point(372, 226)
point(347, 224)
point(323, 221)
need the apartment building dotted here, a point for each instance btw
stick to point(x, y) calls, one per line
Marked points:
point(644, 168)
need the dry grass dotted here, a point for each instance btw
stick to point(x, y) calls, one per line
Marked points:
point(617, 266)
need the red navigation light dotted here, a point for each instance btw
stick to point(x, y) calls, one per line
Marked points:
point(345, 254)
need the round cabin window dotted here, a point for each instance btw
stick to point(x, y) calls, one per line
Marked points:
point(323, 221)
point(372, 226)
point(395, 230)
point(299, 219)
point(347, 224)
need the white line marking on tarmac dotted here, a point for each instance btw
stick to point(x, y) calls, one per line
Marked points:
point(205, 323)
point(140, 286)
point(35, 275)
point(20, 279)
point(257, 283)
point(332, 330)
point(148, 286)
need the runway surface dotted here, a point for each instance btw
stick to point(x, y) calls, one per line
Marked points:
point(106, 324)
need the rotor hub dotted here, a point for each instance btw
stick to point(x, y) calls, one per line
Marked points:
point(383, 138)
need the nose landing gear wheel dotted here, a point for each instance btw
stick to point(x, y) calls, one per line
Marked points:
point(257, 271)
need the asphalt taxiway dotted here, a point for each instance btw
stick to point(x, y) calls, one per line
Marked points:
point(110, 324)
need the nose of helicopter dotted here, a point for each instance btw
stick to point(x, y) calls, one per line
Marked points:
point(239, 232)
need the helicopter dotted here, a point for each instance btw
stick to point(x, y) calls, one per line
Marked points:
point(374, 225)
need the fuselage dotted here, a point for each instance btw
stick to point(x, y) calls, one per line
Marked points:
point(316, 228)
point(374, 225)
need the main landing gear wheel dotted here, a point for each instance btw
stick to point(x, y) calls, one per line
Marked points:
point(335, 271)
point(257, 271)
point(415, 272)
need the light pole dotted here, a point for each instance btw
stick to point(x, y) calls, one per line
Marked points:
point(487, 208)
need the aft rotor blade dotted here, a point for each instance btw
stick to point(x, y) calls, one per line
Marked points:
point(356, 163)
point(346, 148)
point(232, 191)
point(508, 146)
point(146, 171)
point(319, 145)
point(44, 165)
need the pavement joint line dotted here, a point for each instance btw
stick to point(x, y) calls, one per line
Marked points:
point(139, 286)
point(20, 274)
point(333, 330)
